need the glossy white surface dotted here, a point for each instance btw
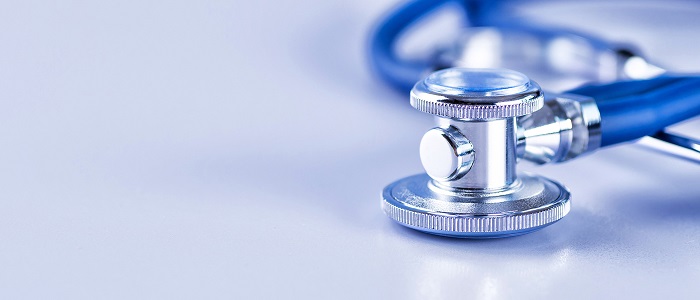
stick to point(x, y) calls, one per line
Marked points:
point(171, 150)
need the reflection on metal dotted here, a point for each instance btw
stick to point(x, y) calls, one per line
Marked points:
point(566, 127)
point(674, 145)
point(637, 67)
point(472, 188)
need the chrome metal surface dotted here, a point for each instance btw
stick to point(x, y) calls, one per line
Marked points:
point(673, 144)
point(486, 197)
point(566, 127)
point(476, 94)
point(494, 153)
point(446, 153)
point(634, 66)
point(532, 203)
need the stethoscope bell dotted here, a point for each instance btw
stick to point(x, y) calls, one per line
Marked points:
point(471, 188)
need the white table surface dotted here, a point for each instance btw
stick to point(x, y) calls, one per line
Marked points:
point(236, 150)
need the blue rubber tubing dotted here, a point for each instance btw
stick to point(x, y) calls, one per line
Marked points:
point(633, 109)
point(401, 74)
point(629, 109)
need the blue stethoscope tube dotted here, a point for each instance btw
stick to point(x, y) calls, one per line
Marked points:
point(399, 73)
point(629, 109)
point(633, 109)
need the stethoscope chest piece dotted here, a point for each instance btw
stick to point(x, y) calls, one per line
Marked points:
point(471, 187)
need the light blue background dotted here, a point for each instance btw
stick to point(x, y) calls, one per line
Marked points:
point(236, 149)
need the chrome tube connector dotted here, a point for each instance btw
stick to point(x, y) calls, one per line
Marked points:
point(566, 127)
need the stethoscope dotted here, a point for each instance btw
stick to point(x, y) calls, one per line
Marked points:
point(487, 119)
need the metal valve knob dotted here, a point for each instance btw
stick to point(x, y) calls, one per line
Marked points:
point(446, 153)
point(471, 187)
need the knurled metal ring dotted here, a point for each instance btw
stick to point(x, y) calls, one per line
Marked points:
point(463, 93)
point(462, 108)
point(530, 205)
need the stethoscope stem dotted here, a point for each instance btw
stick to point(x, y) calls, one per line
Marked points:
point(675, 145)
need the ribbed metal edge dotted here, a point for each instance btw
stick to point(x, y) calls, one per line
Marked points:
point(506, 109)
point(477, 224)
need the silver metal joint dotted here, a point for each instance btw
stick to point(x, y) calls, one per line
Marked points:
point(471, 187)
point(566, 127)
